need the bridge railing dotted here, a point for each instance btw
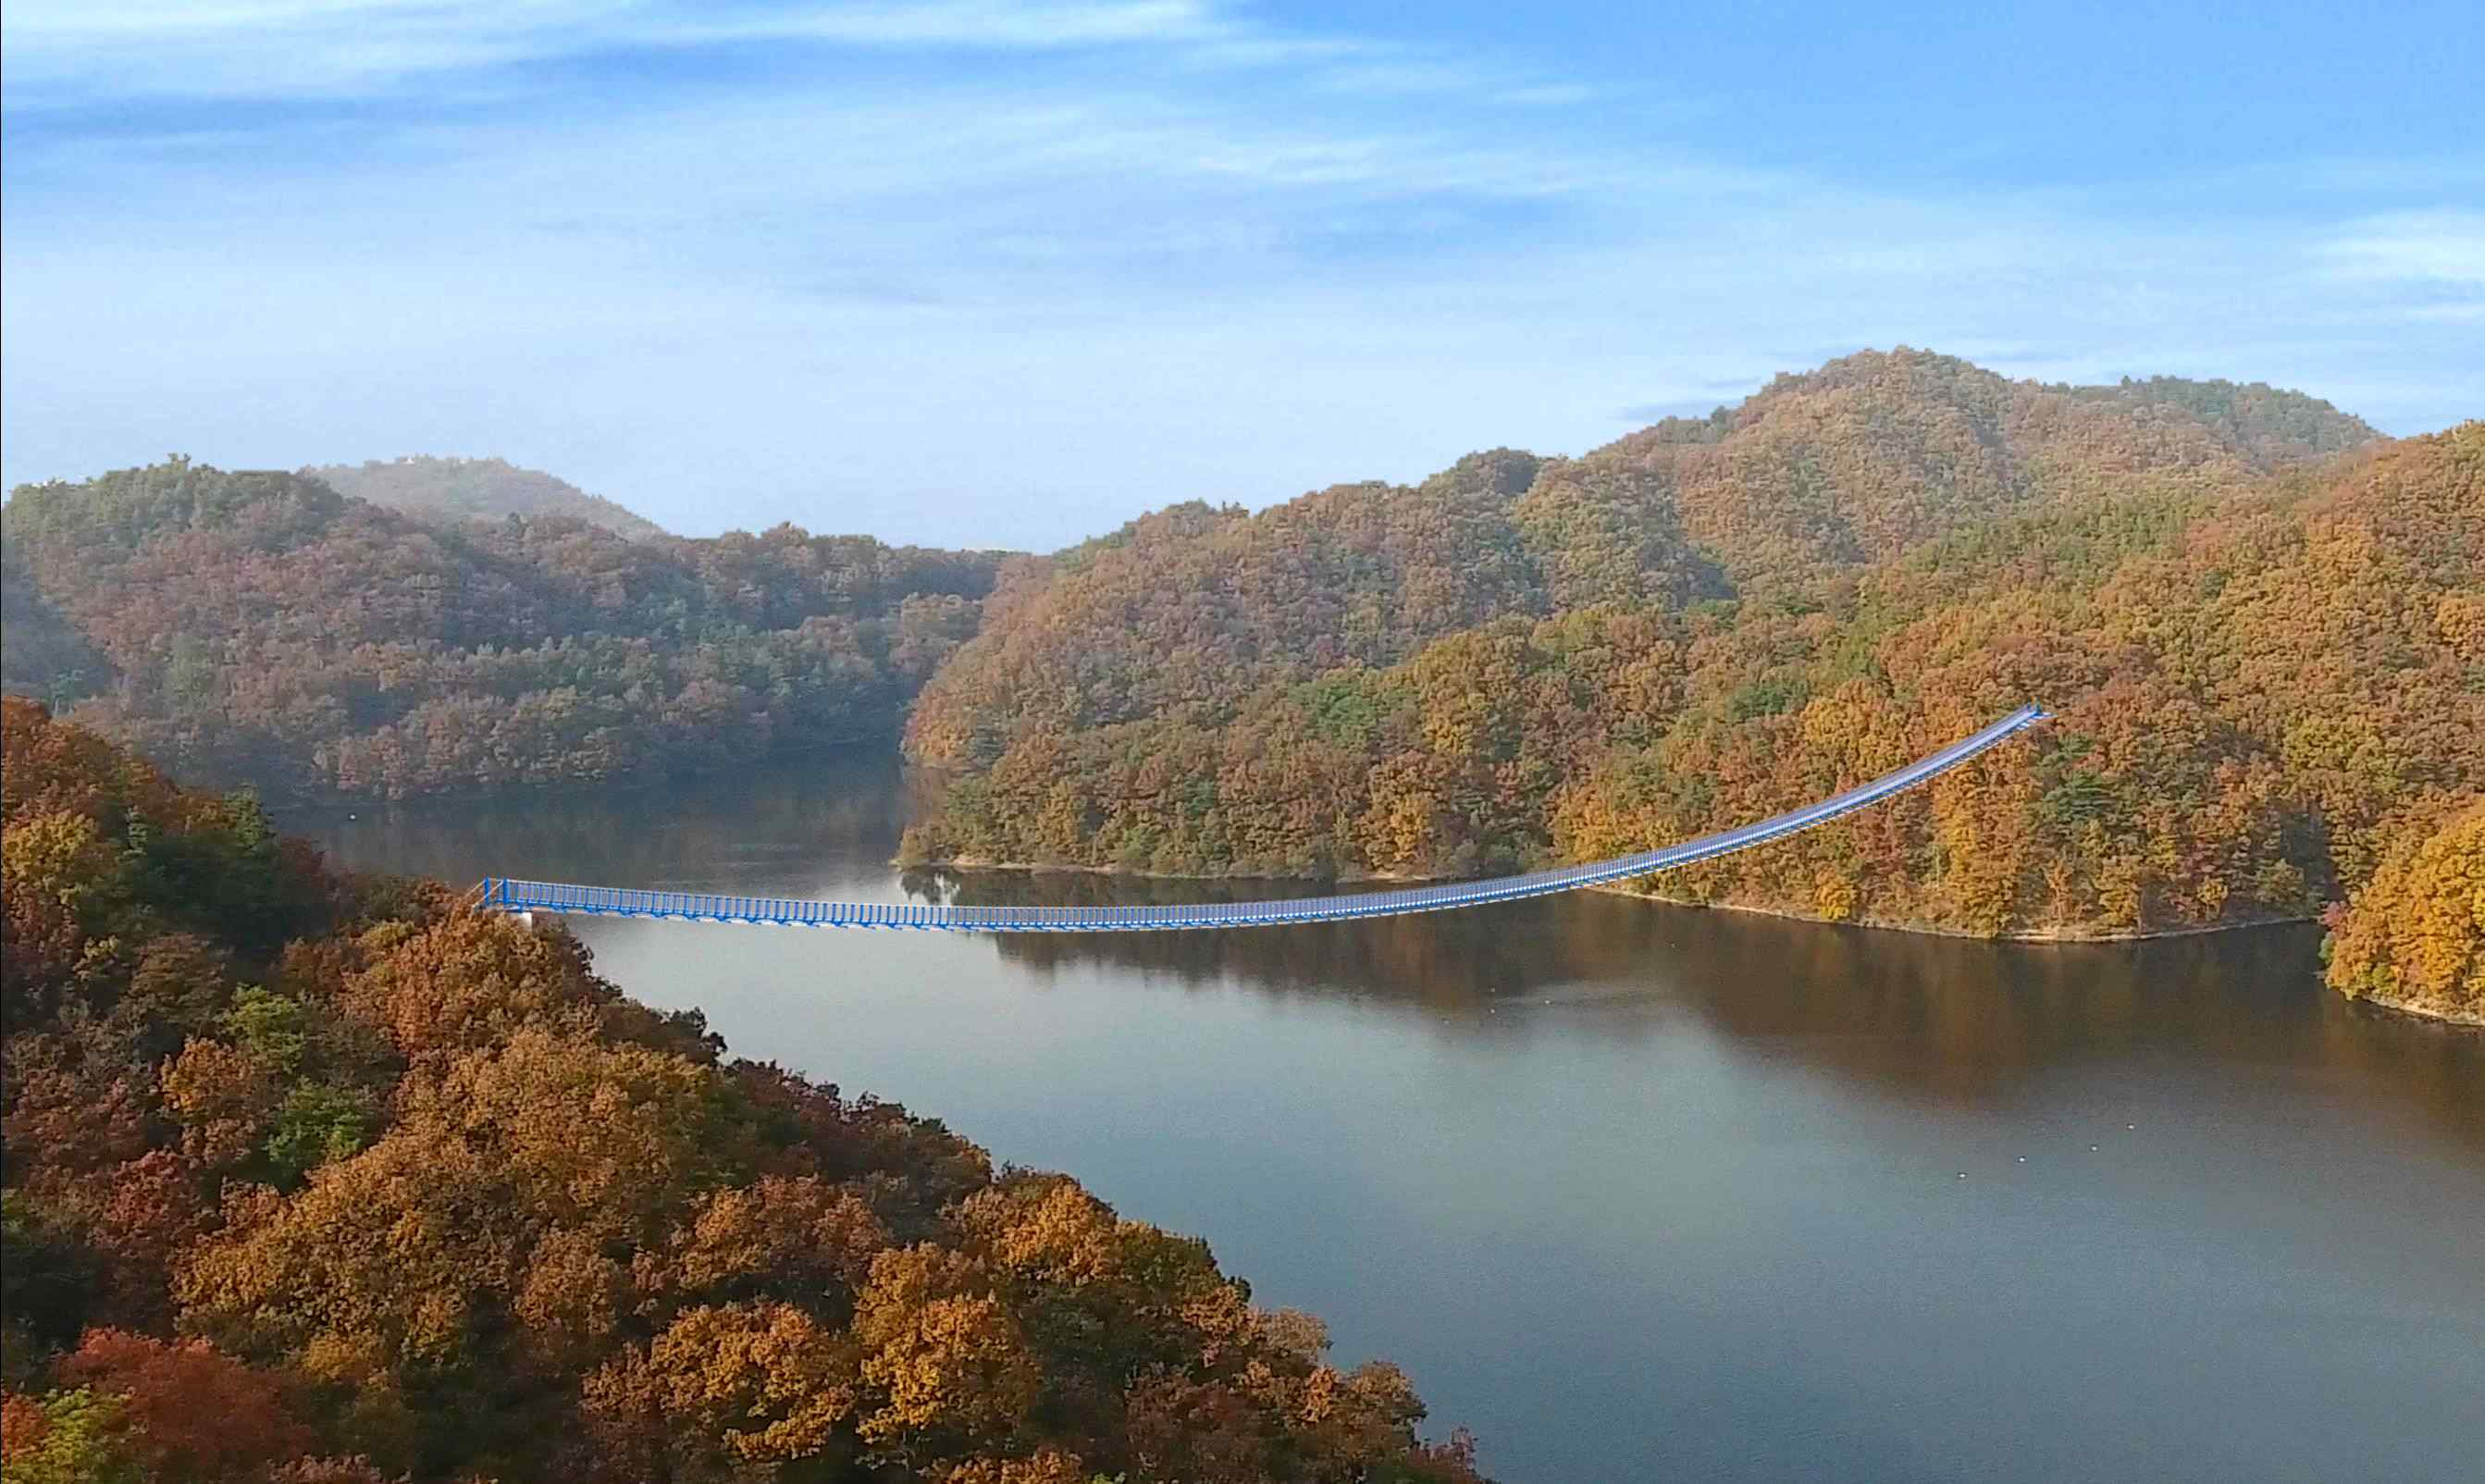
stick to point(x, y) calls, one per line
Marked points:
point(515, 896)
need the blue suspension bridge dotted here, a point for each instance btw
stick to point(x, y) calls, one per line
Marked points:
point(503, 895)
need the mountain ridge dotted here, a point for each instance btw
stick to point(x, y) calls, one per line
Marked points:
point(2258, 690)
point(1863, 459)
point(260, 627)
point(452, 488)
point(2261, 626)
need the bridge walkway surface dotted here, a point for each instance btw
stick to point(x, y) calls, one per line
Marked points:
point(505, 894)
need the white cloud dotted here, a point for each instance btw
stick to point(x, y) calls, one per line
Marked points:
point(70, 23)
point(2420, 247)
point(972, 23)
point(71, 49)
point(315, 48)
point(1165, 252)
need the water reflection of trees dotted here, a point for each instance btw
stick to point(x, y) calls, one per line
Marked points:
point(1940, 1019)
point(709, 832)
point(1911, 1016)
point(1455, 960)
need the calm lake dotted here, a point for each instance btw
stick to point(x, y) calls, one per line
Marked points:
point(1641, 1192)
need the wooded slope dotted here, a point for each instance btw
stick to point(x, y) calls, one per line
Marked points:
point(260, 627)
point(2264, 678)
point(325, 1180)
point(469, 489)
point(1187, 612)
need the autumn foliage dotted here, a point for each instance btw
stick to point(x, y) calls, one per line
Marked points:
point(2266, 661)
point(2414, 936)
point(454, 491)
point(327, 1181)
point(260, 628)
point(2262, 630)
point(1187, 614)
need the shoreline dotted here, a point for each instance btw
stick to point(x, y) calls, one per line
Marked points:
point(2040, 937)
point(2036, 936)
point(1877, 924)
point(2462, 1021)
point(324, 804)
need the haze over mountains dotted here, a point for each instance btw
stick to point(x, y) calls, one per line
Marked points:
point(260, 627)
point(476, 489)
point(1784, 496)
point(2258, 621)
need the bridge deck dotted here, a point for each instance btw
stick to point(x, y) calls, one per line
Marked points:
point(508, 895)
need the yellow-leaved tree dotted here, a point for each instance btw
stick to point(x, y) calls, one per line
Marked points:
point(2414, 936)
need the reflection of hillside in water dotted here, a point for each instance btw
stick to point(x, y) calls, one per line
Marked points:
point(1910, 1016)
point(1449, 959)
point(703, 831)
point(1915, 1016)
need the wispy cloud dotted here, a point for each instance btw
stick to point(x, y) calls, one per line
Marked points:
point(59, 27)
point(2410, 268)
point(896, 267)
point(63, 49)
point(2421, 247)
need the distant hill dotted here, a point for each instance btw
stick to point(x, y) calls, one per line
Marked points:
point(435, 489)
point(1186, 610)
point(2262, 630)
point(1876, 453)
point(1189, 611)
point(41, 655)
point(260, 627)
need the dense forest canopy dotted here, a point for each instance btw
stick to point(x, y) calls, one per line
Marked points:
point(466, 489)
point(260, 627)
point(326, 1180)
point(2414, 936)
point(2263, 651)
point(1873, 455)
point(2259, 624)
point(1185, 613)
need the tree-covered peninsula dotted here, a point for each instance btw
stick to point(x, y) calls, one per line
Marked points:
point(325, 1179)
point(2263, 634)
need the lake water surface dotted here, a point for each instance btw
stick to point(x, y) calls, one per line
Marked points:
point(1641, 1192)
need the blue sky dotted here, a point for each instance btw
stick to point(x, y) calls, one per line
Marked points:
point(1007, 274)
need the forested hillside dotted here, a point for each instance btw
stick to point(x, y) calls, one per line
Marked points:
point(2259, 626)
point(467, 489)
point(1187, 613)
point(323, 1180)
point(2266, 678)
point(260, 627)
point(1875, 453)
point(2415, 935)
